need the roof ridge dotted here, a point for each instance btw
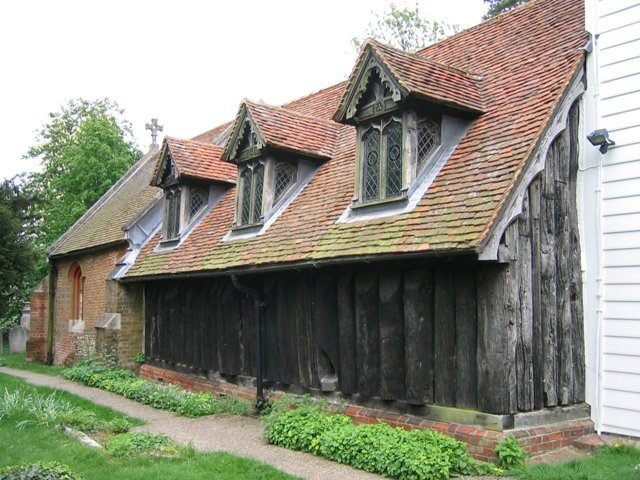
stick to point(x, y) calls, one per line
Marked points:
point(106, 196)
point(304, 97)
point(420, 58)
point(330, 123)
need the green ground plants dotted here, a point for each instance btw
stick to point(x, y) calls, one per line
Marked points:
point(40, 444)
point(379, 448)
point(18, 361)
point(166, 397)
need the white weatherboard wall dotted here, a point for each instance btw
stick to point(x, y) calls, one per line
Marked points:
point(611, 217)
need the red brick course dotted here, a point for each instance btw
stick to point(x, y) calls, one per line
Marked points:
point(480, 441)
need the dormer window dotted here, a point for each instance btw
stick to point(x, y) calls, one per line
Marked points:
point(193, 178)
point(400, 104)
point(276, 152)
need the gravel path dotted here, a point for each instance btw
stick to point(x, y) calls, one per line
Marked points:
point(227, 433)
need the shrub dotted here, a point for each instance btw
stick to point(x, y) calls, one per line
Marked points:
point(144, 444)
point(379, 448)
point(166, 397)
point(39, 471)
point(510, 454)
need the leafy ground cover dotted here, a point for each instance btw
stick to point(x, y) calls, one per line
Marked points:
point(379, 448)
point(42, 443)
point(165, 397)
point(17, 360)
point(609, 463)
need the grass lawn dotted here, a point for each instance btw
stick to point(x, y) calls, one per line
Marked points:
point(609, 463)
point(35, 443)
point(18, 361)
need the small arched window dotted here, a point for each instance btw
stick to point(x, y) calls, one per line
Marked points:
point(77, 291)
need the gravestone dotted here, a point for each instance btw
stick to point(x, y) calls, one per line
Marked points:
point(19, 335)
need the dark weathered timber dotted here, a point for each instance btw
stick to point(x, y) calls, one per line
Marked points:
point(497, 298)
point(151, 320)
point(575, 281)
point(418, 322)
point(305, 332)
point(270, 333)
point(445, 334)
point(232, 324)
point(367, 333)
point(535, 194)
point(391, 337)
point(563, 254)
point(548, 313)
point(248, 334)
point(286, 333)
point(510, 315)
point(210, 348)
point(524, 343)
point(325, 317)
point(347, 369)
point(466, 338)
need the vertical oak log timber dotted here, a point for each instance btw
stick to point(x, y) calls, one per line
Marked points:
point(270, 332)
point(325, 317)
point(445, 334)
point(466, 337)
point(248, 335)
point(347, 370)
point(525, 339)
point(418, 320)
point(563, 254)
point(575, 282)
point(367, 333)
point(209, 313)
point(305, 338)
point(548, 307)
point(535, 192)
point(391, 337)
point(232, 322)
point(497, 318)
point(286, 331)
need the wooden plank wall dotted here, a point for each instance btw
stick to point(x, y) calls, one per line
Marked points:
point(531, 309)
point(375, 329)
point(496, 337)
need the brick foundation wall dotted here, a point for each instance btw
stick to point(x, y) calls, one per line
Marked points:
point(128, 301)
point(480, 442)
point(37, 342)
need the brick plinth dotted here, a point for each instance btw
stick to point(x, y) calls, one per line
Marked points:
point(480, 442)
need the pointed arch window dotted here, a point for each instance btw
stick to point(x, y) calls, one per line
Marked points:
point(77, 291)
point(382, 160)
point(251, 194)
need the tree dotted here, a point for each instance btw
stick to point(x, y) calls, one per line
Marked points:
point(17, 252)
point(84, 149)
point(405, 28)
point(496, 7)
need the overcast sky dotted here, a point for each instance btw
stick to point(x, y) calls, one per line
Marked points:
point(189, 63)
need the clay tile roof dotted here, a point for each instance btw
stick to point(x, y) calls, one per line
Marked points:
point(103, 223)
point(527, 59)
point(200, 160)
point(433, 80)
point(289, 130)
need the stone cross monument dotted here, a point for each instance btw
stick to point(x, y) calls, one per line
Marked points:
point(155, 128)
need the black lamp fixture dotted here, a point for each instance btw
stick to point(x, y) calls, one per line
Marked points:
point(601, 138)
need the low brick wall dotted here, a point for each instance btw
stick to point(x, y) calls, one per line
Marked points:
point(480, 442)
